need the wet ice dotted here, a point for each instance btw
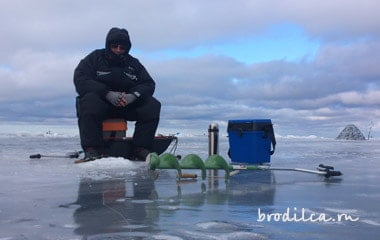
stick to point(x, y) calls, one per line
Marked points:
point(114, 198)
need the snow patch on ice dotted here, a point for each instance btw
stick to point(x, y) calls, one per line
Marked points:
point(111, 163)
point(120, 200)
point(169, 208)
point(166, 237)
point(37, 135)
point(110, 167)
point(366, 195)
point(243, 235)
point(142, 201)
point(134, 226)
point(370, 222)
point(346, 211)
point(36, 130)
point(290, 136)
point(70, 225)
point(226, 236)
point(216, 226)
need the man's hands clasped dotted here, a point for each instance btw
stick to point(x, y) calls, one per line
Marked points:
point(120, 99)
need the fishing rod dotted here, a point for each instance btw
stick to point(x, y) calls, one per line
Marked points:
point(67, 155)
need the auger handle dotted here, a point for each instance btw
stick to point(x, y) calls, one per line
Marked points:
point(326, 167)
point(73, 154)
point(67, 155)
point(333, 173)
point(35, 156)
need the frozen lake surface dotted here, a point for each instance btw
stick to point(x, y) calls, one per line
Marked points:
point(113, 198)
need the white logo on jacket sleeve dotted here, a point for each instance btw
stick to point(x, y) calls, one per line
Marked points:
point(131, 76)
point(100, 73)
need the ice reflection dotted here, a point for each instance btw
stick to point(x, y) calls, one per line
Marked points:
point(245, 189)
point(116, 205)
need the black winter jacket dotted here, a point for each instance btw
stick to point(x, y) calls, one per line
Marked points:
point(102, 71)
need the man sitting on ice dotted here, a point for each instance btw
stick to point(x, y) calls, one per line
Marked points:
point(113, 84)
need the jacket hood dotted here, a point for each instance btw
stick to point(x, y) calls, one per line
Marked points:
point(118, 35)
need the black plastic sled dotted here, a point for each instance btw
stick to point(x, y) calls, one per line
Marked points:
point(123, 147)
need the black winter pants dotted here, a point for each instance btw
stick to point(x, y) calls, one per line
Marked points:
point(92, 110)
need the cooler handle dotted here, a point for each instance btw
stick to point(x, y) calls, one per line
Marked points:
point(269, 131)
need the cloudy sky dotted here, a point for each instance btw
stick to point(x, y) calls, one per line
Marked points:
point(310, 66)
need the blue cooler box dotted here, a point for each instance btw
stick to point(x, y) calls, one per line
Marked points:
point(250, 141)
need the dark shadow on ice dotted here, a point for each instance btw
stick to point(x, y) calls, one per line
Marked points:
point(115, 205)
point(332, 181)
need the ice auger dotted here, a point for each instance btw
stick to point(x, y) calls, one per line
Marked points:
point(217, 162)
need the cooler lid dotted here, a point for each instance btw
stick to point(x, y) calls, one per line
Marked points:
point(249, 124)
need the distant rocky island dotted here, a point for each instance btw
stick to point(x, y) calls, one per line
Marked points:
point(351, 132)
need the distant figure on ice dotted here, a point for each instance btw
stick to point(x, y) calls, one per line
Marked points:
point(113, 84)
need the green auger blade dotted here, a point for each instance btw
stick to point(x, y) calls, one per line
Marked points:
point(154, 161)
point(217, 162)
point(169, 161)
point(193, 161)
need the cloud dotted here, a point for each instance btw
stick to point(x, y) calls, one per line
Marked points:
point(43, 41)
point(359, 99)
point(334, 20)
point(305, 84)
point(215, 87)
point(328, 92)
point(37, 75)
point(167, 23)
